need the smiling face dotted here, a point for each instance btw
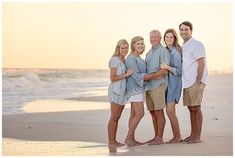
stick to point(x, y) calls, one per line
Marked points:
point(123, 49)
point(155, 38)
point(139, 47)
point(185, 32)
point(169, 39)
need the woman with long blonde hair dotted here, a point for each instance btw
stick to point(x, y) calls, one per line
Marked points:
point(117, 89)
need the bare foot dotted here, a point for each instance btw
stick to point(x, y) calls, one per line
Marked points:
point(169, 141)
point(187, 139)
point(194, 140)
point(157, 141)
point(174, 140)
point(150, 141)
point(116, 144)
point(120, 144)
point(130, 142)
point(139, 143)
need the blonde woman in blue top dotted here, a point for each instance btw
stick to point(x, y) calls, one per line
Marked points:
point(174, 81)
point(136, 87)
point(117, 88)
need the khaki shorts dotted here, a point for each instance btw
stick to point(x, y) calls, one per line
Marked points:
point(193, 95)
point(155, 98)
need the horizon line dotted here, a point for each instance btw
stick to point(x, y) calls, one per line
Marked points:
point(215, 71)
point(54, 68)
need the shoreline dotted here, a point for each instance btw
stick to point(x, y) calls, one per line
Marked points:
point(103, 98)
point(47, 133)
point(78, 126)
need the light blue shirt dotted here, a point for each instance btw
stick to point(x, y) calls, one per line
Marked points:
point(154, 58)
point(175, 77)
point(135, 82)
point(117, 89)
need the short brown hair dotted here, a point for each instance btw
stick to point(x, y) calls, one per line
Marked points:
point(187, 23)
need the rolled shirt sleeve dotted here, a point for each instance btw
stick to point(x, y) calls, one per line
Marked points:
point(199, 51)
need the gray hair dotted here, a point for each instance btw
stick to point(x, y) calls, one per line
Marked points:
point(155, 31)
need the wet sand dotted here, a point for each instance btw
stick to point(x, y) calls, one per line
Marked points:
point(75, 127)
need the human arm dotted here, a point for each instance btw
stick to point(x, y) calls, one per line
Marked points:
point(137, 75)
point(164, 58)
point(176, 69)
point(155, 75)
point(199, 55)
point(201, 66)
point(114, 77)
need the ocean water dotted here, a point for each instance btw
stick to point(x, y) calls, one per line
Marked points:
point(20, 86)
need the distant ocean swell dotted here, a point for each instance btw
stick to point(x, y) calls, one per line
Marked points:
point(20, 86)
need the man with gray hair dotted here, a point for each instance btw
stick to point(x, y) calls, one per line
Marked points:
point(155, 95)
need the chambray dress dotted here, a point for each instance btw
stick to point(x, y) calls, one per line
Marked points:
point(174, 78)
point(117, 89)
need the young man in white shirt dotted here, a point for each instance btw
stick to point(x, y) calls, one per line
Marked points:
point(194, 75)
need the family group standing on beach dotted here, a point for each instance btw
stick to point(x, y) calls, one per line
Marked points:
point(158, 80)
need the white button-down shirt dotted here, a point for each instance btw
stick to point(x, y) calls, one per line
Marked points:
point(192, 51)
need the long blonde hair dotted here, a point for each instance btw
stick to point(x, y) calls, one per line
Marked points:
point(176, 39)
point(134, 40)
point(117, 49)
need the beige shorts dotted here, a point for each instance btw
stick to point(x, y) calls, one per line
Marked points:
point(155, 98)
point(193, 95)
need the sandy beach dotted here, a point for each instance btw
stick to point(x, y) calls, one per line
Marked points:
point(79, 127)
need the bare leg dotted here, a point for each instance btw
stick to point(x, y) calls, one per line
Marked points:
point(199, 120)
point(138, 109)
point(130, 120)
point(155, 125)
point(131, 117)
point(161, 122)
point(119, 115)
point(113, 123)
point(161, 125)
point(116, 127)
point(198, 124)
point(174, 123)
point(192, 120)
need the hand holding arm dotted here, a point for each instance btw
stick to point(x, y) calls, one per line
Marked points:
point(114, 77)
point(155, 75)
point(165, 66)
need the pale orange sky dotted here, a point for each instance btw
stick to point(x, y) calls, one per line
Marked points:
point(84, 35)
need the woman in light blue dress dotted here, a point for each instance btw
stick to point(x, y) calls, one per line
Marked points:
point(174, 81)
point(117, 89)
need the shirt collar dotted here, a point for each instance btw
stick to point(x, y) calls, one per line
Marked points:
point(188, 42)
point(157, 46)
point(171, 48)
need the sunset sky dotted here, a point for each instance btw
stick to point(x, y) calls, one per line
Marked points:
point(83, 35)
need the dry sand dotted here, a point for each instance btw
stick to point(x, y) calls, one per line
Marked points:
point(74, 127)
